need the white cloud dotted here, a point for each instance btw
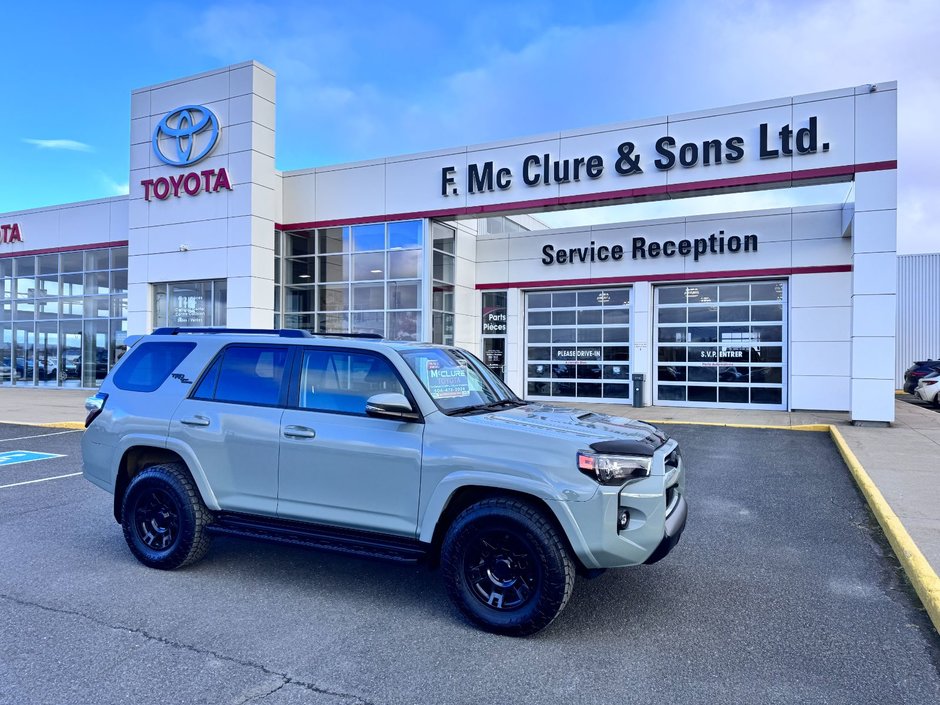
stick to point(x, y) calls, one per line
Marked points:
point(112, 186)
point(339, 100)
point(68, 145)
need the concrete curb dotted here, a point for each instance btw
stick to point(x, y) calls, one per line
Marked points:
point(922, 576)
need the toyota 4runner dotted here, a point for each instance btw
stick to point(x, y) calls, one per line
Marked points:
point(394, 450)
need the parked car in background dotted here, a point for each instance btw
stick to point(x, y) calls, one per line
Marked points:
point(73, 368)
point(928, 388)
point(47, 368)
point(15, 368)
point(917, 371)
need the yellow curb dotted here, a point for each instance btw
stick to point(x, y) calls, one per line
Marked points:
point(798, 427)
point(74, 425)
point(924, 579)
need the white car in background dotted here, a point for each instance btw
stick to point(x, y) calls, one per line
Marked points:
point(928, 389)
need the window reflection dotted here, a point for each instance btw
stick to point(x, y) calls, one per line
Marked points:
point(190, 304)
point(55, 330)
point(364, 278)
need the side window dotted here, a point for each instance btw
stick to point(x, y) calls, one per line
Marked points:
point(246, 375)
point(206, 387)
point(341, 381)
point(149, 364)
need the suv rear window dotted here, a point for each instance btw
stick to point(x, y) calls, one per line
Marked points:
point(149, 364)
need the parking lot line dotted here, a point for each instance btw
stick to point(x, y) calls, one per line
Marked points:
point(38, 435)
point(42, 479)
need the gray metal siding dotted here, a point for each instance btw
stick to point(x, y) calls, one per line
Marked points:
point(918, 311)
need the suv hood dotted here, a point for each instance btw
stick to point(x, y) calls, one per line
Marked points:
point(600, 432)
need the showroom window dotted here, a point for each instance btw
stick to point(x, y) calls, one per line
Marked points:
point(443, 264)
point(359, 279)
point(190, 304)
point(63, 316)
point(578, 344)
point(721, 345)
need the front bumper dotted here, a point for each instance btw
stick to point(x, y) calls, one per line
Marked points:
point(657, 515)
point(675, 524)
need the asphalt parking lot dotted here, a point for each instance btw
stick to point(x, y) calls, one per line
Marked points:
point(781, 591)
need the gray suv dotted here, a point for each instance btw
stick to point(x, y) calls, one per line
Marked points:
point(392, 450)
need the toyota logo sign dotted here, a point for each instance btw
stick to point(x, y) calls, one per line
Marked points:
point(186, 135)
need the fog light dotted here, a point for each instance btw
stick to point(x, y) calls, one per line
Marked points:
point(623, 519)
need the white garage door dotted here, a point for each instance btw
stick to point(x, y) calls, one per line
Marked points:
point(721, 345)
point(578, 344)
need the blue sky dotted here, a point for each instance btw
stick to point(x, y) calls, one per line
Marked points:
point(359, 80)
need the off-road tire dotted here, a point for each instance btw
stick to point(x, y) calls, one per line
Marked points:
point(183, 517)
point(551, 571)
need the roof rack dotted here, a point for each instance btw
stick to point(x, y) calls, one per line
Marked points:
point(281, 332)
point(367, 336)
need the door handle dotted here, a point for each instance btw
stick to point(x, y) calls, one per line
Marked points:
point(195, 421)
point(299, 432)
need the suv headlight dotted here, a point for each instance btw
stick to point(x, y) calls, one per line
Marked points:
point(613, 469)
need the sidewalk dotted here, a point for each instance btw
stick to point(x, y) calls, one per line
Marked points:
point(903, 460)
point(40, 405)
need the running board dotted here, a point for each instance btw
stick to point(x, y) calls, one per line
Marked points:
point(316, 536)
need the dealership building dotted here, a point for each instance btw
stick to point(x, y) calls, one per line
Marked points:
point(776, 309)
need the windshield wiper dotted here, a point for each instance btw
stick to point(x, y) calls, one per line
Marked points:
point(487, 407)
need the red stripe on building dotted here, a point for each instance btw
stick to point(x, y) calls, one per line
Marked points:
point(70, 248)
point(679, 277)
point(686, 188)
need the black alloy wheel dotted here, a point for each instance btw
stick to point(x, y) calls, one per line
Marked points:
point(506, 566)
point(156, 520)
point(501, 570)
point(164, 518)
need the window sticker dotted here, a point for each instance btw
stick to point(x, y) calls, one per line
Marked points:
point(447, 382)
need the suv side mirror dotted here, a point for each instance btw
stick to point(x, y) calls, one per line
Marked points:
point(390, 406)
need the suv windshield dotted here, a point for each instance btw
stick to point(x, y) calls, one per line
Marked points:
point(458, 382)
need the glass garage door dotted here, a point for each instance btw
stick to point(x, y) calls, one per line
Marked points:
point(721, 345)
point(578, 344)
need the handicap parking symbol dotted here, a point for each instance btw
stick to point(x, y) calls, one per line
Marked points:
point(13, 457)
